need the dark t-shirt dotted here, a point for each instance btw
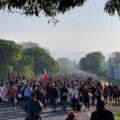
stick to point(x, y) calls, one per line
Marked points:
point(63, 91)
point(33, 108)
point(85, 95)
point(102, 115)
point(54, 93)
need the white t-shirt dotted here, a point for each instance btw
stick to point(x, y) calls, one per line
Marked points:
point(74, 93)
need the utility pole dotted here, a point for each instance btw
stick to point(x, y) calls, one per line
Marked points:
point(110, 68)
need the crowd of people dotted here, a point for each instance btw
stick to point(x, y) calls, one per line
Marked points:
point(75, 90)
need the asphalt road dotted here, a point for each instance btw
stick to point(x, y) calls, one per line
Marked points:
point(46, 114)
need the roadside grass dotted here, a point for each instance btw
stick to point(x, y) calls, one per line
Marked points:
point(117, 115)
point(116, 82)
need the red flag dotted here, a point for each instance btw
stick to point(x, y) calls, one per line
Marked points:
point(44, 75)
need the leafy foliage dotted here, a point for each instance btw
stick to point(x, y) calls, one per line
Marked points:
point(41, 60)
point(93, 62)
point(24, 66)
point(10, 52)
point(112, 6)
point(4, 70)
point(28, 59)
point(35, 7)
point(52, 7)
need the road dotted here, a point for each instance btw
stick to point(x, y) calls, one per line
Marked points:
point(46, 114)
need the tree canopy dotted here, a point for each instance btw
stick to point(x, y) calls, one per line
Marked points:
point(27, 59)
point(52, 7)
point(112, 7)
point(35, 7)
point(10, 52)
point(41, 60)
point(93, 62)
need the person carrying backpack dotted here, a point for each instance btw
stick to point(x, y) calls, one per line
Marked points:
point(64, 96)
point(26, 92)
point(11, 96)
point(54, 95)
point(33, 108)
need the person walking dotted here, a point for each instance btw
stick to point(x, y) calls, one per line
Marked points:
point(11, 97)
point(54, 95)
point(86, 98)
point(101, 113)
point(33, 108)
point(74, 98)
point(64, 96)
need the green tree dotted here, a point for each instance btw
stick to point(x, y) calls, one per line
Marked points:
point(4, 70)
point(41, 60)
point(93, 62)
point(25, 66)
point(27, 59)
point(10, 53)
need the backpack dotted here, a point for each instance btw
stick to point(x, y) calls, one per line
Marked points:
point(33, 107)
point(56, 92)
point(12, 93)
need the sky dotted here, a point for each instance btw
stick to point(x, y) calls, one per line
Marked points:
point(81, 30)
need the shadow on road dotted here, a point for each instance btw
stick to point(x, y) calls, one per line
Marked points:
point(7, 115)
point(47, 114)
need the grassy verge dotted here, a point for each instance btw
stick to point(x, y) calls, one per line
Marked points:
point(116, 82)
point(117, 115)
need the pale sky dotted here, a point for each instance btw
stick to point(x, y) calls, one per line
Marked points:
point(84, 29)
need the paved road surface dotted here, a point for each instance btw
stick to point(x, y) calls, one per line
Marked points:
point(46, 114)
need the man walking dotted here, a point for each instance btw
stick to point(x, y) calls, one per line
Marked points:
point(33, 108)
point(101, 113)
point(63, 96)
